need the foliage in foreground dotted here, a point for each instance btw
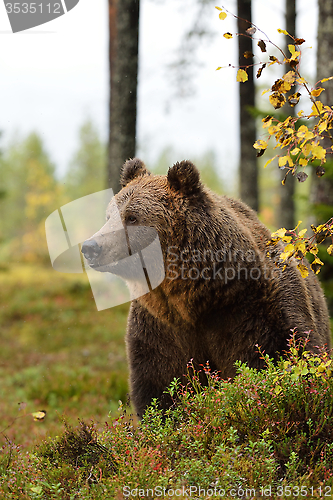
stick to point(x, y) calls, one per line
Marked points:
point(265, 429)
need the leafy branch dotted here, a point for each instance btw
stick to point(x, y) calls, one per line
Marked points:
point(299, 245)
point(302, 143)
point(299, 145)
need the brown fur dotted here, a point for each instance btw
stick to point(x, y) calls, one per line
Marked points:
point(219, 320)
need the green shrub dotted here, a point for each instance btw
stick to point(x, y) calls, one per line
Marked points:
point(264, 427)
point(270, 429)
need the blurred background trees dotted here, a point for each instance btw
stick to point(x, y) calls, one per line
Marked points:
point(86, 171)
point(30, 192)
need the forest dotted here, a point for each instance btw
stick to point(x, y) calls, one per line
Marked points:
point(68, 429)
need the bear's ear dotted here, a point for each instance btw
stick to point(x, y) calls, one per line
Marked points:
point(184, 177)
point(131, 169)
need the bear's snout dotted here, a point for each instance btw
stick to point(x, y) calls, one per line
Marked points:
point(91, 250)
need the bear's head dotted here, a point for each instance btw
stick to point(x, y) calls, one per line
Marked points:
point(148, 206)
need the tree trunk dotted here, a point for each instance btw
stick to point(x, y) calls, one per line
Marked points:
point(322, 188)
point(287, 192)
point(248, 171)
point(123, 61)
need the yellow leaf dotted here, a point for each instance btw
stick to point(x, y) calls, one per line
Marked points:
point(285, 255)
point(273, 60)
point(273, 129)
point(281, 85)
point(220, 67)
point(222, 15)
point(300, 247)
point(260, 144)
point(322, 127)
point(227, 35)
point(285, 87)
point(242, 76)
point(283, 31)
point(316, 265)
point(295, 56)
point(300, 113)
point(289, 248)
point(309, 135)
point(294, 99)
point(318, 152)
point(279, 233)
point(218, 8)
point(303, 270)
point(330, 250)
point(294, 53)
point(265, 91)
point(282, 161)
point(292, 49)
point(306, 149)
point(269, 161)
point(317, 108)
point(302, 131)
point(277, 100)
point(290, 161)
point(302, 233)
point(314, 250)
point(317, 92)
point(266, 122)
point(294, 151)
point(39, 415)
point(326, 79)
point(303, 162)
point(289, 77)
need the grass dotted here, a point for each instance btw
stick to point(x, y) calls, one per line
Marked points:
point(264, 434)
point(58, 353)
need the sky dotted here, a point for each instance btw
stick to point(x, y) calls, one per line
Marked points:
point(55, 76)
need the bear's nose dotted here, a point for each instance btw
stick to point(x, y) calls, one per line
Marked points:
point(91, 249)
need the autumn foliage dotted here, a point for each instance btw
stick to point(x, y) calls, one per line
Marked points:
point(299, 140)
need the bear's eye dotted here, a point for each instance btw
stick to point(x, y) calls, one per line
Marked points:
point(131, 219)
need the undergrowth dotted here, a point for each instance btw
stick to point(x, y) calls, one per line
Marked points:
point(265, 433)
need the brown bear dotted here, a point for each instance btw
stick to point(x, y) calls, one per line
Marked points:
point(222, 295)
